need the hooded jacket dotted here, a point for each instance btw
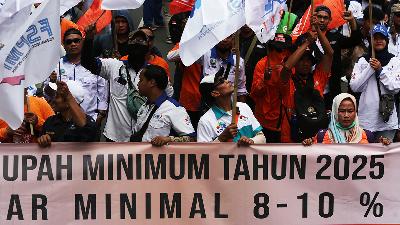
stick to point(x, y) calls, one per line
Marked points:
point(103, 44)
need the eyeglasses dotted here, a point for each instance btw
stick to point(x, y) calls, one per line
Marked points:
point(70, 41)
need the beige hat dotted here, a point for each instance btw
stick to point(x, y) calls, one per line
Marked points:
point(396, 8)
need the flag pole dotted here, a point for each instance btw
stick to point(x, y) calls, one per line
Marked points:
point(312, 7)
point(288, 21)
point(370, 29)
point(237, 63)
point(28, 109)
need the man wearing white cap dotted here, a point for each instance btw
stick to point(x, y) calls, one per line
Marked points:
point(70, 124)
point(215, 125)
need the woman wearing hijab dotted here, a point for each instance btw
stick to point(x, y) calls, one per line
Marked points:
point(344, 126)
point(368, 73)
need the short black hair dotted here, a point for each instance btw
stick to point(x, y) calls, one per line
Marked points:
point(156, 73)
point(72, 31)
point(377, 13)
point(324, 8)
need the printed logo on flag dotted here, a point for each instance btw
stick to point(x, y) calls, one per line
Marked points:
point(36, 35)
point(269, 5)
point(13, 81)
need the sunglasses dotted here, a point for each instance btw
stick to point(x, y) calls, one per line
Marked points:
point(397, 14)
point(70, 41)
point(137, 41)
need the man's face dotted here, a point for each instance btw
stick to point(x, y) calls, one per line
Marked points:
point(223, 88)
point(323, 20)
point(121, 25)
point(59, 104)
point(143, 84)
point(304, 66)
point(73, 44)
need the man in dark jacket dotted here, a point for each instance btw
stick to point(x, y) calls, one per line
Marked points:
point(104, 44)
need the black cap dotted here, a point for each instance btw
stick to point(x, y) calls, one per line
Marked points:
point(281, 41)
point(136, 34)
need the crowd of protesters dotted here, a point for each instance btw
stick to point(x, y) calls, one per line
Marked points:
point(326, 86)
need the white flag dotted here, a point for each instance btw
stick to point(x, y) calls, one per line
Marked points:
point(198, 38)
point(121, 4)
point(28, 54)
point(264, 16)
point(217, 10)
point(66, 5)
point(9, 7)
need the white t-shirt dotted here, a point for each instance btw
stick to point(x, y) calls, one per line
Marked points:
point(215, 120)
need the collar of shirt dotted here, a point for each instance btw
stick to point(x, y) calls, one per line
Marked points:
point(214, 55)
point(160, 100)
point(65, 60)
point(219, 113)
point(60, 120)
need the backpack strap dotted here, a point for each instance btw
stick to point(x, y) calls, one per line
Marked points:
point(321, 135)
point(370, 136)
point(299, 84)
point(278, 125)
point(137, 137)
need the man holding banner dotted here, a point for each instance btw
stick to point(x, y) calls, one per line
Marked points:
point(215, 125)
point(70, 124)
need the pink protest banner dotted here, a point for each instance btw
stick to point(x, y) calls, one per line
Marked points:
point(112, 183)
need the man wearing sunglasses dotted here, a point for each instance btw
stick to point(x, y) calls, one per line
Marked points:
point(70, 68)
